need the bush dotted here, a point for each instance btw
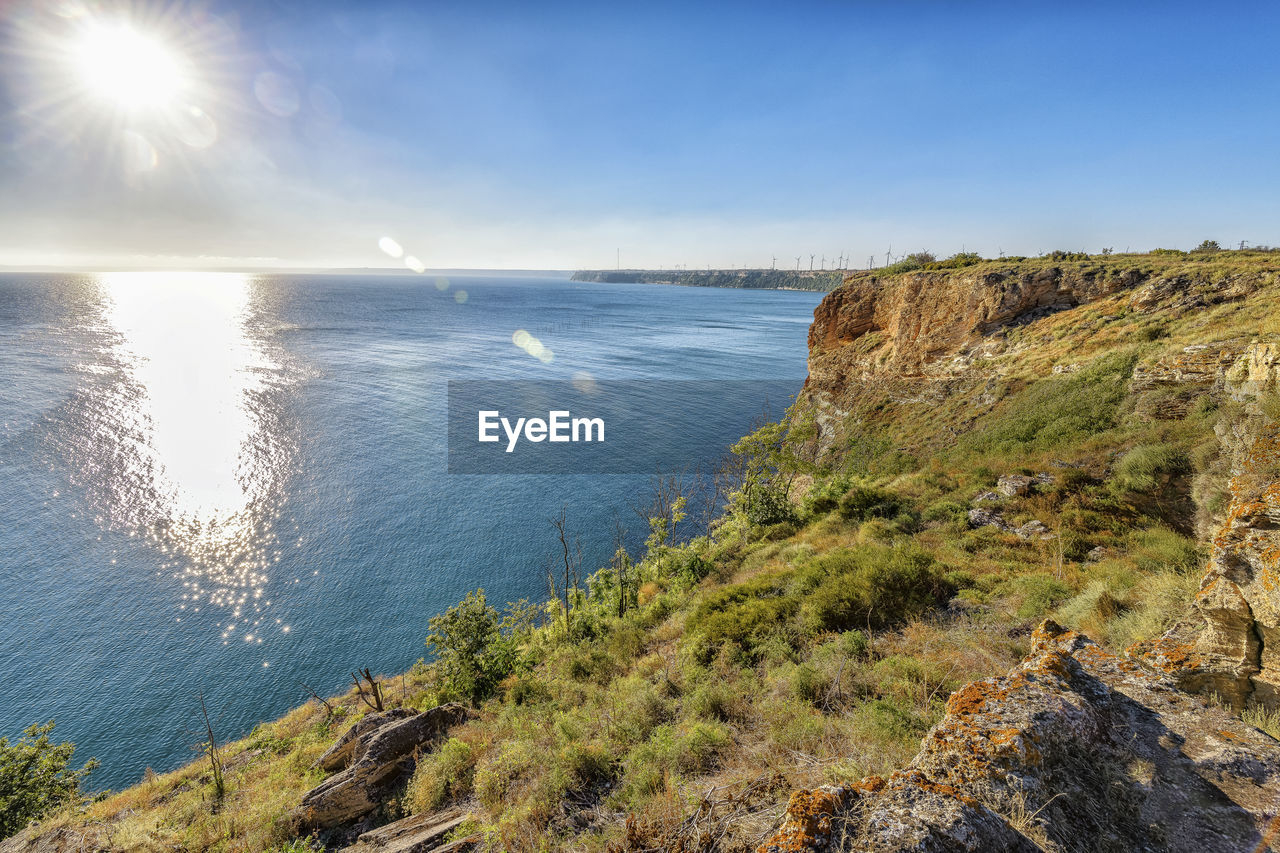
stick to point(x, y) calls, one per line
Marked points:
point(872, 587)
point(35, 779)
point(715, 700)
point(860, 503)
point(825, 496)
point(913, 261)
point(475, 648)
point(1159, 549)
point(808, 684)
point(947, 511)
point(746, 614)
point(957, 261)
point(1147, 467)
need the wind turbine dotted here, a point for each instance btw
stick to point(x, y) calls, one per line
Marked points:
point(811, 257)
point(797, 263)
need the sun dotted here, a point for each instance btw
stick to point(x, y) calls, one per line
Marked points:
point(128, 68)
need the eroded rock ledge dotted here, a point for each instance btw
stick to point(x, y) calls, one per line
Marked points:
point(1232, 647)
point(1075, 750)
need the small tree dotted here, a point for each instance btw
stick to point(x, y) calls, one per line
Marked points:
point(768, 461)
point(35, 778)
point(1208, 246)
point(475, 647)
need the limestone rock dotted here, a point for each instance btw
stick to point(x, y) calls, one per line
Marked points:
point(1034, 529)
point(1074, 750)
point(1234, 651)
point(1014, 485)
point(380, 756)
point(979, 517)
point(339, 755)
point(424, 833)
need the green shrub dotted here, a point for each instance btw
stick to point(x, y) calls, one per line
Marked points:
point(957, 261)
point(699, 749)
point(35, 779)
point(1040, 593)
point(862, 502)
point(648, 766)
point(715, 700)
point(808, 684)
point(853, 644)
point(895, 720)
point(1159, 549)
point(745, 614)
point(913, 261)
point(475, 648)
point(872, 587)
point(825, 496)
point(947, 511)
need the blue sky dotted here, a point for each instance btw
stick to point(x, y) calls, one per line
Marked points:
point(550, 135)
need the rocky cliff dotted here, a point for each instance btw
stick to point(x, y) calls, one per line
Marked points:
point(925, 336)
point(1232, 647)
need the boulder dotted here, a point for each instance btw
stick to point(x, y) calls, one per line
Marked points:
point(338, 756)
point(1014, 485)
point(422, 833)
point(1034, 529)
point(380, 756)
point(979, 517)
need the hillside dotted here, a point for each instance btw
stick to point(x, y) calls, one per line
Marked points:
point(1006, 578)
point(819, 280)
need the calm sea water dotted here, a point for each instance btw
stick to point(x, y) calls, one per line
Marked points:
point(232, 484)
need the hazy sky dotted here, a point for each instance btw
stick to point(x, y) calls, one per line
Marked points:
point(549, 135)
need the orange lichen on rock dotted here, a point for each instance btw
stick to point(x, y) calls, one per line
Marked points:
point(1061, 749)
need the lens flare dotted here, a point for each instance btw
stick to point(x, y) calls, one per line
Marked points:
point(129, 68)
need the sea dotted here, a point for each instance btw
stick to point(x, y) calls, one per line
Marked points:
point(236, 486)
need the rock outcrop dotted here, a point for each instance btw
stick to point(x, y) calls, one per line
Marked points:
point(1075, 750)
point(420, 833)
point(1233, 648)
point(376, 756)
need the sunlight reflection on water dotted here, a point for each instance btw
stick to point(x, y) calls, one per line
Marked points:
point(186, 446)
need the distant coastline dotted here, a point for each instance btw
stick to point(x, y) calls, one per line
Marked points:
point(815, 280)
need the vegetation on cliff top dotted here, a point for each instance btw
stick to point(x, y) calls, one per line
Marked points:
point(1208, 257)
point(813, 634)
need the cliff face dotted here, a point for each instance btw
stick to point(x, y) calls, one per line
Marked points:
point(1233, 648)
point(1076, 749)
point(922, 336)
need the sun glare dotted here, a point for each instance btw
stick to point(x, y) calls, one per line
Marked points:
point(128, 68)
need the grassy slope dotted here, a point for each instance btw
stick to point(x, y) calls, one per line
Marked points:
point(779, 668)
